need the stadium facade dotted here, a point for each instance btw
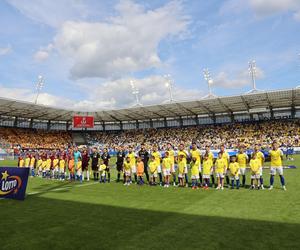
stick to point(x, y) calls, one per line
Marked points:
point(253, 106)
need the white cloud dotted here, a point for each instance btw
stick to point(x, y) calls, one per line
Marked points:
point(269, 7)
point(43, 53)
point(241, 79)
point(51, 13)
point(5, 50)
point(123, 44)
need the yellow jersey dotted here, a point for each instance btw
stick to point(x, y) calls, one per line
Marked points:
point(206, 166)
point(44, 163)
point(171, 156)
point(157, 157)
point(234, 168)
point(55, 163)
point(167, 163)
point(195, 168)
point(127, 165)
point(220, 166)
point(27, 161)
point(102, 167)
point(48, 164)
point(275, 156)
point(242, 159)
point(255, 165)
point(153, 167)
point(79, 166)
point(62, 164)
point(32, 162)
point(260, 157)
point(225, 157)
point(181, 166)
point(21, 163)
point(210, 155)
point(132, 158)
point(39, 163)
point(195, 153)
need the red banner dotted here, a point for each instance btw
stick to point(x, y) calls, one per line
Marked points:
point(83, 121)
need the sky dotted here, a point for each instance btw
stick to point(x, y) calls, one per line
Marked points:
point(89, 51)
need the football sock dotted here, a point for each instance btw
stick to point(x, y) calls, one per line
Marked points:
point(160, 177)
point(147, 175)
point(237, 184)
point(227, 179)
point(186, 179)
point(108, 176)
point(119, 175)
point(244, 180)
point(212, 179)
point(282, 180)
point(200, 178)
point(135, 177)
point(271, 180)
point(261, 179)
point(232, 183)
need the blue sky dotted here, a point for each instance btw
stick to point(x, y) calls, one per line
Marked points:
point(88, 51)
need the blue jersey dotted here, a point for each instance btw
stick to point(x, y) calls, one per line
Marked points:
point(76, 156)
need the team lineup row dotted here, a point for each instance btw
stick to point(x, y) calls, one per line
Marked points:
point(202, 168)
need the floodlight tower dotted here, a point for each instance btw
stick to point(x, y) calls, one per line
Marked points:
point(135, 92)
point(252, 72)
point(209, 82)
point(169, 85)
point(39, 86)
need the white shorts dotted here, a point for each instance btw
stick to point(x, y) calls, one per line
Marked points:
point(180, 175)
point(261, 171)
point(195, 177)
point(102, 173)
point(279, 170)
point(40, 169)
point(133, 169)
point(206, 176)
point(61, 171)
point(234, 177)
point(127, 172)
point(255, 176)
point(220, 175)
point(166, 172)
point(243, 171)
point(153, 175)
point(159, 169)
point(78, 172)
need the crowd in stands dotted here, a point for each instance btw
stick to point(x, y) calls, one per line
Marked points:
point(287, 133)
point(35, 139)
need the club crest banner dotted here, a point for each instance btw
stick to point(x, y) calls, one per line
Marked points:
point(13, 182)
point(83, 121)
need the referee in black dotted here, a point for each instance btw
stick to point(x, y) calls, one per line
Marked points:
point(95, 160)
point(144, 154)
point(120, 161)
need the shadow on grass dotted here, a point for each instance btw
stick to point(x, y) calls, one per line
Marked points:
point(43, 223)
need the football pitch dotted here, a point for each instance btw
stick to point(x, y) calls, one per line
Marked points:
point(64, 215)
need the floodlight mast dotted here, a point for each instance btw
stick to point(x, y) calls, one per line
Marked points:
point(169, 85)
point(209, 82)
point(252, 72)
point(39, 86)
point(135, 92)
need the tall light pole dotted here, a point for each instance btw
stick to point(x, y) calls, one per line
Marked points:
point(169, 85)
point(135, 92)
point(39, 86)
point(252, 72)
point(209, 82)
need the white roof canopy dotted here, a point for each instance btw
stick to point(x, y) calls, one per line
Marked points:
point(211, 106)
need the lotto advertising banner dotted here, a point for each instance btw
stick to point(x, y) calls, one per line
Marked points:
point(83, 121)
point(13, 182)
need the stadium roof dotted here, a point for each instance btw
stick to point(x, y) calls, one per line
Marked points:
point(249, 102)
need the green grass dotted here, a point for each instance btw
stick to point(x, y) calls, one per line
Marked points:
point(63, 215)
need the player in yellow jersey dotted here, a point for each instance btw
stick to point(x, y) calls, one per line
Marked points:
point(62, 165)
point(166, 167)
point(32, 165)
point(220, 168)
point(44, 163)
point(261, 159)
point(181, 169)
point(172, 157)
point(195, 172)
point(196, 153)
point(102, 171)
point(127, 171)
point(255, 173)
point(39, 166)
point(132, 156)
point(182, 152)
point(157, 157)
point(55, 168)
point(211, 157)
point(48, 167)
point(207, 165)
point(242, 159)
point(27, 161)
point(234, 170)
point(153, 170)
point(225, 157)
point(21, 162)
point(79, 169)
point(276, 156)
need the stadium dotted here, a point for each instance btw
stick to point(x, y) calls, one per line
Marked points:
point(93, 164)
